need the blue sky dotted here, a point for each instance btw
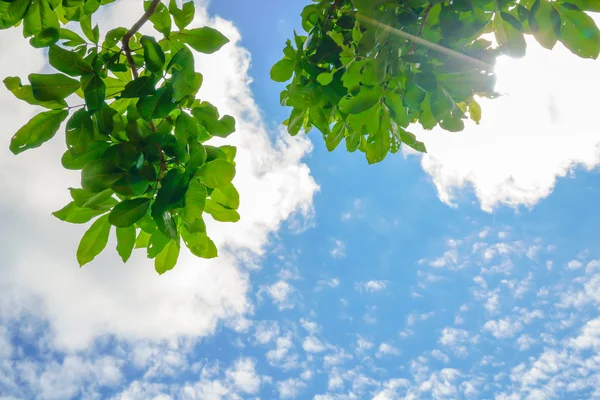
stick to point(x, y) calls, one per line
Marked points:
point(472, 272)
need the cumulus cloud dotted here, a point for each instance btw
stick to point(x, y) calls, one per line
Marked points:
point(503, 328)
point(556, 122)
point(313, 345)
point(338, 250)
point(131, 301)
point(371, 286)
point(386, 349)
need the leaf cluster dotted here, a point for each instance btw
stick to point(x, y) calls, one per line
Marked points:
point(360, 76)
point(140, 136)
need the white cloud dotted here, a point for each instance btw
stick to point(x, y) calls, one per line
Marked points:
point(452, 336)
point(244, 376)
point(574, 264)
point(438, 354)
point(338, 250)
point(332, 283)
point(496, 158)
point(335, 381)
point(282, 355)
point(266, 331)
point(363, 345)
point(338, 357)
point(448, 259)
point(312, 345)
point(310, 326)
point(290, 388)
point(386, 349)
point(280, 292)
point(525, 341)
point(371, 286)
point(107, 297)
point(503, 328)
point(589, 336)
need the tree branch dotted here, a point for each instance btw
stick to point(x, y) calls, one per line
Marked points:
point(136, 27)
point(127, 37)
point(433, 46)
point(414, 45)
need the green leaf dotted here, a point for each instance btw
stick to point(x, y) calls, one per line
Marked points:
point(93, 241)
point(143, 240)
point(99, 175)
point(336, 135)
point(48, 87)
point(128, 212)
point(412, 141)
point(185, 84)
point(74, 161)
point(509, 38)
point(142, 86)
point(157, 243)
point(158, 105)
point(160, 18)
point(216, 173)
point(71, 39)
point(93, 34)
point(125, 242)
point(184, 16)
point(220, 213)
point(586, 5)
point(37, 131)
point(205, 40)
point(165, 223)
point(365, 99)
point(199, 244)
point(114, 36)
point(283, 70)
point(12, 12)
point(195, 199)
point(296, 121)
point(80, 131)
point(25, 93)
point(545, 23)
point(325, 78)
point(94, 91)
point(186, 127)
point(578, 32)
point(166, 260)
point(154, 57)
point(227, 196)
point(397, 109)
point(174, 186)
point(77, 215)
point(85, 199)
point(69, 62)
point(131, 184)
point(42, 23)
point(475, 111)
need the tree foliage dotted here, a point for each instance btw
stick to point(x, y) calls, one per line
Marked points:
point(365, 72)
point(139, 135)
point(368, 69)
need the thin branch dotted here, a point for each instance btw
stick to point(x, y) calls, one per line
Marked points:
point(423, 42)
point(163, 166)
point(414, 46)
point(136, 27)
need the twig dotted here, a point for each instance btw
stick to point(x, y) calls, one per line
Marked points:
point(423, 42)
point(162, 161)
point(330, 14)
point(136, 27)
point(127, 37)
point(414, 45)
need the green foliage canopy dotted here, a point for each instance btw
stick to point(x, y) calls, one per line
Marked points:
point(369, 68)
point(366, 70)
